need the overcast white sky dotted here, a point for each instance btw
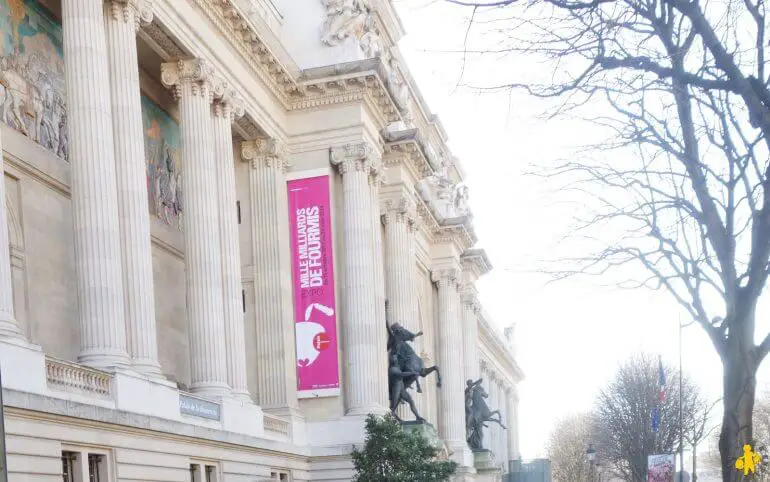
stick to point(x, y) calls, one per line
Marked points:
point(571, 335)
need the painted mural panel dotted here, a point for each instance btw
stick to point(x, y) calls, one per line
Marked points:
point(162, 148)
point(32, 83)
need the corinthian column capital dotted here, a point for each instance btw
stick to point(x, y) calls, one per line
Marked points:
point(447, 276)
point(229, 104)
point(195, 76)
point(400, 210)
point(360, 156)
point(138, 12)
point(266, 152)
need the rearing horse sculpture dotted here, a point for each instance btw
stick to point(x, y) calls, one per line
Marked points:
point(477, 413)
point(408, 360)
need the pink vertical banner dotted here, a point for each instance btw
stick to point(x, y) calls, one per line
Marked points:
point(315, 312)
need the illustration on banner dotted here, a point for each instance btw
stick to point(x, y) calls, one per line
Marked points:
point(315, 313)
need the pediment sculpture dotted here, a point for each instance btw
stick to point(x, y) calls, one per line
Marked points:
point(344, 18)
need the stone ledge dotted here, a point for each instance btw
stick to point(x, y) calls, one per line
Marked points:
point(68, 408)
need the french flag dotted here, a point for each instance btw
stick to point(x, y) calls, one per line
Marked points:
point(661, 381)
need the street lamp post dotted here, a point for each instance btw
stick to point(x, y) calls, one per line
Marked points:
point(591, 456)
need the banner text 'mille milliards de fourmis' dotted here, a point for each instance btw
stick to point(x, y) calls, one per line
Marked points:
point(315, 313)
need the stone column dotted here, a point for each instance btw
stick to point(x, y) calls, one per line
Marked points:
point(512, 423)
point(400, 217)
point(9, 326)
point(99, 278)
point(376, 180)
point(365, 378)
point(122, 21)
point(276, 362)
point(450, 360)
point(193, 82)
point(504, 414)
point(225, 111)
point(494, 429)
point(401, 287)
point(470, 312)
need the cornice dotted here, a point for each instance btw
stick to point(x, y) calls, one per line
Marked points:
point(406, 147)
point(236, 28)
point(476, 262)
point(360, 81)
point(496, 348)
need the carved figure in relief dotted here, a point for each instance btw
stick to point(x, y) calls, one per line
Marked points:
point(32, 90)
point(344, 18)
point(162, 150)
point(461, 199)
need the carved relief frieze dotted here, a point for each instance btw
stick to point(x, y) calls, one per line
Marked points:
point(344, 19)
point(32, 81)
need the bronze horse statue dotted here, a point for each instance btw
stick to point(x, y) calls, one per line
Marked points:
point(477, 413)
point(406, 360)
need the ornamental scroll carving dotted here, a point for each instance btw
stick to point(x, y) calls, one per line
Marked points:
point(266, 152)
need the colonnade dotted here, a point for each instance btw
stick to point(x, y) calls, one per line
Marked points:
point(113, 254)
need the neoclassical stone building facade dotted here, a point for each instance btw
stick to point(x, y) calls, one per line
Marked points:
point(150, 319)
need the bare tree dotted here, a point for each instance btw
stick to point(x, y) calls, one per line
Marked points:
point(567, 447)
point(623, 416)
point(697, 429)
point(685, 90)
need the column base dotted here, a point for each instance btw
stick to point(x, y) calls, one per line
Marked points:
point(150, 368)
point(105, 360)
point(215, 390)
point(241, 396)
point(9, 328)
point(460, 453)
point(364, 411)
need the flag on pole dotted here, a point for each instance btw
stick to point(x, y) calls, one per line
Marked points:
point(661, 381)
point(655, 419)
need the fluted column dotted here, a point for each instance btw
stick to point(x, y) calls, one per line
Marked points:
point(511, 422)
point(376, 180)
point(225, 111)
point(94, 188)
point(9, 326)
point(494, 429)
point(513, 425)
point(400, 218)
point(122, 19)
point(451, 395)
point(276, 363)
point(504, 414)
point(193, 82)
point(365, 378)
point(470, 310)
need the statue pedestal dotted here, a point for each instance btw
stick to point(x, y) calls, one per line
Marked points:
point(427, 431)
point(486, 467)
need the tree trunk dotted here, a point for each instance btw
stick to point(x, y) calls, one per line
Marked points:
point(694, 474)
point(739, 386)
